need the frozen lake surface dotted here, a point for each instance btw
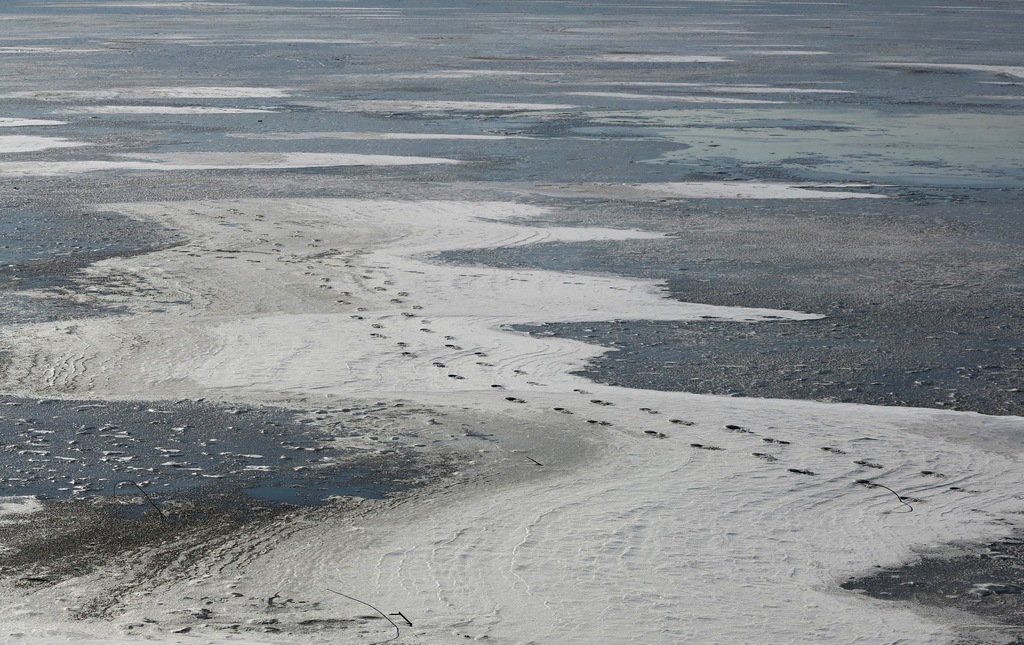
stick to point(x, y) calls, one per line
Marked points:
point(459, 278)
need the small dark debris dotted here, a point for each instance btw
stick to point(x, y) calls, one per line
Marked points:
point(869, 464)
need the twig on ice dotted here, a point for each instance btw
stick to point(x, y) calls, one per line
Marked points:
point(144, 494)
point(385, 616)
point(871, 484)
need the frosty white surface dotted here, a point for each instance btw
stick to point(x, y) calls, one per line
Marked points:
point(184, 92)
point(27, 143)
point(10, 122)
point(161, 109)
point(210, 161)
point(638, 526)
point(678, 99)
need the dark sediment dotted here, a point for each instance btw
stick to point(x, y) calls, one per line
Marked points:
point(986, 582)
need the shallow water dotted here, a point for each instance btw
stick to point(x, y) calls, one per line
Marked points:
point(86, 449)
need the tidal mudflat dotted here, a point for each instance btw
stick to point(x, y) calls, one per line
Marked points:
point(544, 322)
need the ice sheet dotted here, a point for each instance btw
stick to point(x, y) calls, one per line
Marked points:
point(26, 143)
point(652, 516)
point(395, 136)
point(210, 161)
point(704, 190)
point(675, 98)
point(384, 105)
point(661, 58)
point(8, 122)
point(161, 109)
point(184, 92)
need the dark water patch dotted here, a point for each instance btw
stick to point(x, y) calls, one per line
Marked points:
point(829, 360)
point(985, 581)
point(922, 297)
point(82, 449)
point(46, 250)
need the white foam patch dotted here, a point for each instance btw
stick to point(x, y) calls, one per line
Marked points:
point(7, 122)
point(707, 190)
point(731, 89)
point(169, 4)
point(785, 52)
point(754, 190)
point(185, 92)
point(212, 161)
point(470, 73)
point(383, 105)
point(660, 58)
point(375, 136)
point(995, 97)
point(1002, 70)
point(47, 50)
point(677, 99)
point(17, 506)
point(25, 143)
point(320, 41)
point(162, 109)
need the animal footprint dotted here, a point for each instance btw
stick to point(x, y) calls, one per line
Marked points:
point(735, 428)
point(765, 456)
point(600, 402)
point(654, 433)
point(681, 422)
point(649, 411)
point(869, 464)
point(834, 451)
point(563, 410)
point(703, 447)
point(514, 399)
point(778, 441)
point(799, 471)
